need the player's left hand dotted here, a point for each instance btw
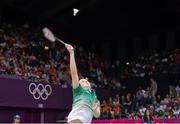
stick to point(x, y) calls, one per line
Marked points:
point(95, 105)
point(96, 109)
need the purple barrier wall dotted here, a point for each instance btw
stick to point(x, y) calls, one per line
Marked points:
point(16, 93)
point(16, 98)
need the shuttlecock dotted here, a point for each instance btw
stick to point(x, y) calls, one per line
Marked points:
point(75, 11)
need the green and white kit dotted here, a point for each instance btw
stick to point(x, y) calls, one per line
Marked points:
point(82, 105)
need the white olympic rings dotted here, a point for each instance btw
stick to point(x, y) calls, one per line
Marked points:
point(40, 91)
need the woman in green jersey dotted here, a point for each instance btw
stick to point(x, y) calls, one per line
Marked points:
point(85, 102)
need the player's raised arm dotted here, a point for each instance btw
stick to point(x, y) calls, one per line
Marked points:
point(73, 68)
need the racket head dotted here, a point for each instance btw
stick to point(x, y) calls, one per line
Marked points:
point(48, 34)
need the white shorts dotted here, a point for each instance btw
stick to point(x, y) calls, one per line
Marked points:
point(82, 113)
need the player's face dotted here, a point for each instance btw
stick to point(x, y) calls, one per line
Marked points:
point(85, 84)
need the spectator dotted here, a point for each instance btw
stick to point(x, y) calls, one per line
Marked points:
point(153, 88)
point(116, 110)
point(147, 118)
point(128, 103)
point(176, 111)
point(17, 119)
point(123, 107)
point(161, 115)
point(133, 115)
point(105, 110)
point(158, 99)
point(177, 90)
point(110, 102)
point(142, 110)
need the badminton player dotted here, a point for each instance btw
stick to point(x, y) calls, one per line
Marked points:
point(85, 102)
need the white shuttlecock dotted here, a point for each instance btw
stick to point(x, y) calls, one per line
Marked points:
point(75, 11)
point(49, 35)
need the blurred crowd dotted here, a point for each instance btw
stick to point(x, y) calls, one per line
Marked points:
point(152, 63)
point(143, 104)
point(24, 52)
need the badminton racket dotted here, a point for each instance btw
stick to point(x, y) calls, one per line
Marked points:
point(50, 36)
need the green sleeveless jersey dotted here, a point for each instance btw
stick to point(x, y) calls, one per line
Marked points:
point(83, 97)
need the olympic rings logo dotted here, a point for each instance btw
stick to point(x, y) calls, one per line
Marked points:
point(40, 91)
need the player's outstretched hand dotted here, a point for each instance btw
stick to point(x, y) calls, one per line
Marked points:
point(69, 48)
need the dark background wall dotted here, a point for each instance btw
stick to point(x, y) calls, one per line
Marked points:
point(115, 29)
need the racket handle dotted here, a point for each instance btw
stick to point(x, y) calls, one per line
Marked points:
point(60, 41)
